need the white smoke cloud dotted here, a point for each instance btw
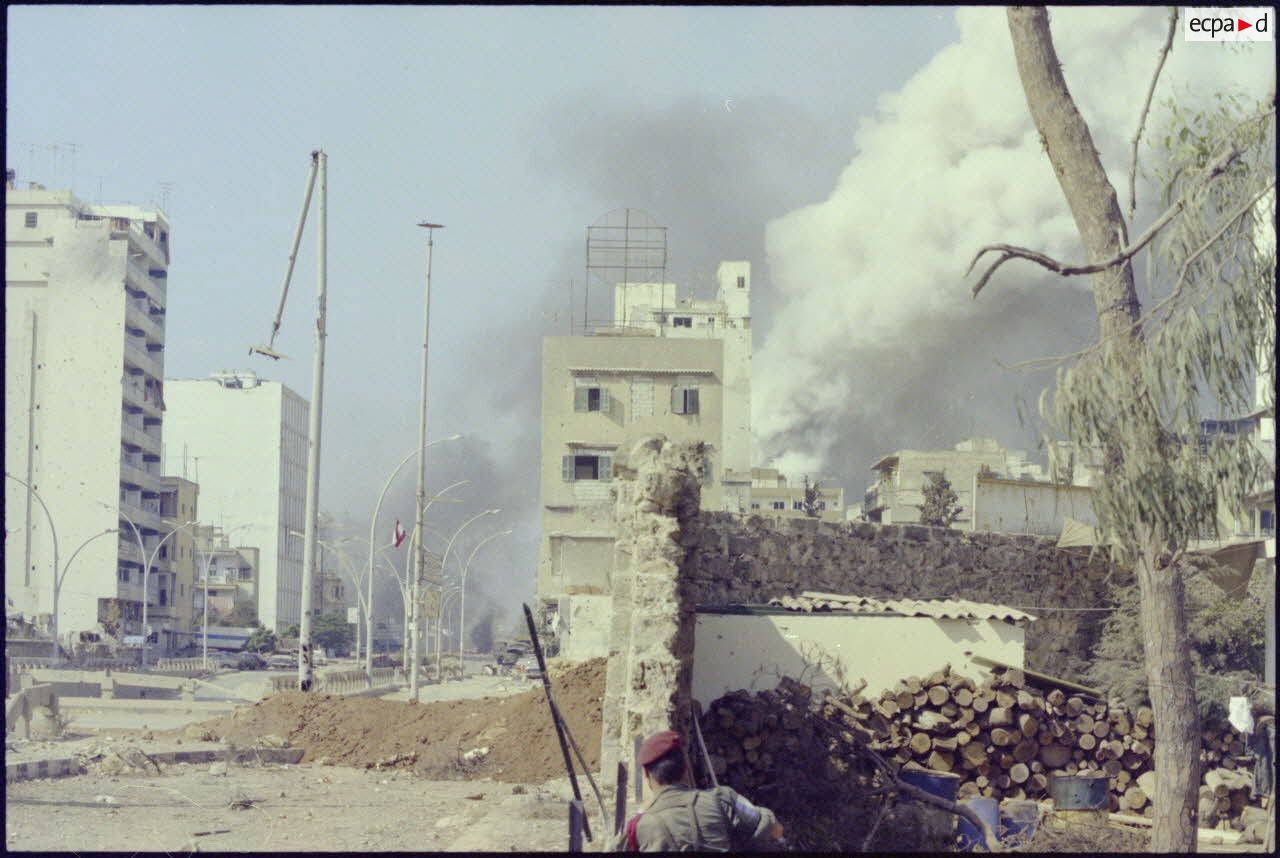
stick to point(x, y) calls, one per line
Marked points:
point(877, 341)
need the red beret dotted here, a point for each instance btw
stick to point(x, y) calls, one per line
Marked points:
point(658, 745)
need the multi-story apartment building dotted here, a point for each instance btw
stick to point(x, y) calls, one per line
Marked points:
point(85, 296)
point(179, 501)
point(676, 368)
point(232, 575)
point(772, 495)
point(244, 440)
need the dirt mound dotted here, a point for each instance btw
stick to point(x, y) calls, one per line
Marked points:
point(509, 739)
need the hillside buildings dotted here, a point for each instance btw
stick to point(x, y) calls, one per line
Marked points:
point(774, 496)
point(679, 368)
point(85, 297)
point(244, 439)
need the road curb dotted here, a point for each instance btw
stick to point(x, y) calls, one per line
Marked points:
point(68, 766)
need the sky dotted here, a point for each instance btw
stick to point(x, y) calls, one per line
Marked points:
point(857, 156)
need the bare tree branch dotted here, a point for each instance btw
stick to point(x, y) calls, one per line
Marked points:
point(1008, 251)
point(1146, 106)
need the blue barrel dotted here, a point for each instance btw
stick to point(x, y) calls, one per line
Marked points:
point(942, 784)
point(1080, 792)
point(967, 834)
point(1018, 820)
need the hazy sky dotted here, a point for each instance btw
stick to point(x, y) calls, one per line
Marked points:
point(857, 156)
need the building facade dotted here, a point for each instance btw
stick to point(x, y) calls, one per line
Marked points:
point(774, 496)
point(179, 507)
point(85, 297)
point(244, 440)
point(675, 368)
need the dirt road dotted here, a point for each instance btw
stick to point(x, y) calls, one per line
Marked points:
point(282, 808)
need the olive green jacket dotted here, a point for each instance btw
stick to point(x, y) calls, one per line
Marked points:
point(683, 819)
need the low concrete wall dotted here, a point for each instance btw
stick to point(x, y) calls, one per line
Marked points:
point(68, 766)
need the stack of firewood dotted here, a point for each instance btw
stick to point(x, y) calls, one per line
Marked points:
point(1002, 735)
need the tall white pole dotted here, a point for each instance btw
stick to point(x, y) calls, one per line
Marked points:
point(53, 532)
point(419, 558)
point(313, 443)
point(444, 564)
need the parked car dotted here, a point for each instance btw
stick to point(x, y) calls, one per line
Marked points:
point(527, 667)
point(251, 661)
point(282, 662)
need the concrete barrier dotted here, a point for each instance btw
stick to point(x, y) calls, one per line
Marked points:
point(66, 766)
point(19, 710)
point(348, 682)
point(195, 707)
point(113, 684)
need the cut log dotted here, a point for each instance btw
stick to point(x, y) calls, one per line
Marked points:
point(905, 700)
point(1139, 732)
point(1077, 755)
point(921, 743)
point(1101, 729)
point(1028, 724)
point(950, 710)
point(1027, 701)
point(1006, 699)
point(979, 704)
point(1000, 737)
point(1084, 723)
point(939, 695)
point(1054, 756)
point(1087, 741)
point(974, 752)
point(962, 696)
point(1074, 706)
point(963, 738)
point(973, 728)
point(912, 685)
point(941, 761)
point(1019, 772)
point(944, 743)
point(1045, 736)
point(921, 698)
point(1134, 798)
point(1113, 769)
point(929, 720)
point(1037, 784)
point(1144, 716)
point(1001, 716)
point(1037, 767)
point(1056, 697)
point(1025, 751)
point(1015, 678)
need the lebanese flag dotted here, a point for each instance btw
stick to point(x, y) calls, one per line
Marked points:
point(398, 534)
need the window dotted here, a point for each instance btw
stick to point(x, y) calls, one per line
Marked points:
point(586, 467)
point(822, 504)
point(742, 283)
point(684, 400)
point(164, 598)
point(755, 505)
point(682, 321)
point(32, 218)
point(798, 505)
point(1267, 522)
point(122, 575)
point(246, 574)
point(590, 395)
point(704, 470)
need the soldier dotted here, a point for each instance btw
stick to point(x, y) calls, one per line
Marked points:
point(680, 818)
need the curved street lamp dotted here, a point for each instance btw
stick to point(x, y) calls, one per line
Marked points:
point(462, 603)
point(373, 526)
point(444, 564)
point(53, 532)
point(206, 558)
point(147, 561)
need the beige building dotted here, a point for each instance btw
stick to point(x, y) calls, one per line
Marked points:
point(679, 369)
point(170, 616)
point(896, 495)
point(772, 495)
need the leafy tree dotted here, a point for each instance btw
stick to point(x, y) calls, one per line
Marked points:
point(261, 640)
point(1135, 396)
point(333, 632)
point(810, 503)
point(243, 613)
point(1226, 631)
point(941, 505)
point(292, 631)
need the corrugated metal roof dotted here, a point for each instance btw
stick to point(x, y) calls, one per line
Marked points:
point(948, 609)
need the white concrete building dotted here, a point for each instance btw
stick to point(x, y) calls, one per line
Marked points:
point(85, 296)
point(774, 496)
point(679, 368)
point(244, 440)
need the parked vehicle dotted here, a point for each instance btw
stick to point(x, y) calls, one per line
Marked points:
point(251, 661)
point(282, 662)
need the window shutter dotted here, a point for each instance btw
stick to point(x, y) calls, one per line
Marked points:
point(677, 400)
point(605, 403)
point(606, 468)
point(566, 468)
point(580, 398)
point(706, 470)
point(691, 401)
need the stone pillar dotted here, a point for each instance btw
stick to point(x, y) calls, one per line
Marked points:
point(652, 619)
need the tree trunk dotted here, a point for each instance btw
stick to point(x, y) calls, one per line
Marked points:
point(1096, 211)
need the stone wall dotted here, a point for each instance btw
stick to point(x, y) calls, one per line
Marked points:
point(647, 684)
point(732, 559)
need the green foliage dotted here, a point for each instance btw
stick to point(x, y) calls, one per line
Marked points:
point(292, 631)
point(262, 640)
point(1228, 646)
point(333, 632)
point(1211, 317)
point(243, 613)
point(810, 503)
point(941, 503)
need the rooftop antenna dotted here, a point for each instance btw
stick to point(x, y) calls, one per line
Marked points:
point(624, 247)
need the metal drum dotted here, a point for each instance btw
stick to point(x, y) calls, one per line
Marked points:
point(1079, 792)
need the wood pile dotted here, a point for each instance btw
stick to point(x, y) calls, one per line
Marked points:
point(1003, 735)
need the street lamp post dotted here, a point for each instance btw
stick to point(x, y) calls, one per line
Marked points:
point(53, 532)
point(373, 525)
point(206, 558)
point(462, 599)
point(57, 587)
point(147, 561)
point(444, 564)
point(419, 558)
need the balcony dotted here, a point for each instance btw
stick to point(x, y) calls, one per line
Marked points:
point(136, 475)
point(123, 228)
point(142, 359)
point(139, 438)
point(143, 517)
point(128, 551)
point(135, 394)
point(137, 275)
point(138, 316)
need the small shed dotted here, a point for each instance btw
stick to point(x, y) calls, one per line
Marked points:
point(827, 640)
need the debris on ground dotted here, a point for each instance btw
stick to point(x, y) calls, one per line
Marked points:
point(443, 740)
